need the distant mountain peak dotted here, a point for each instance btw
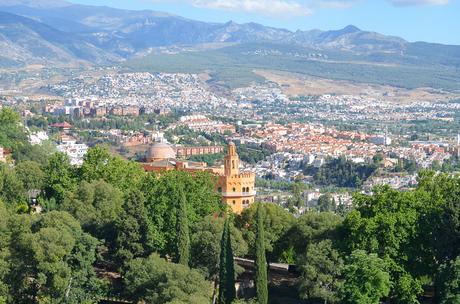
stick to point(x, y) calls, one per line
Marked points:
point(351, 29)
point(231, 22)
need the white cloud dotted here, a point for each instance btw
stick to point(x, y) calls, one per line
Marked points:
point(266, 7)
point(419, 2)
point(289, 8)
point(334, 3)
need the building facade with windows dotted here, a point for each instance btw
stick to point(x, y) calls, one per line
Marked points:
point(237, 188)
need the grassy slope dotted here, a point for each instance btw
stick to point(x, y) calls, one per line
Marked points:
point(234, 65)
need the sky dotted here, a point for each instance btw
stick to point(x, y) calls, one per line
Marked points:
point(414, 20)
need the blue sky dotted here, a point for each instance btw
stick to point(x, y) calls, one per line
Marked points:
point(414, 20)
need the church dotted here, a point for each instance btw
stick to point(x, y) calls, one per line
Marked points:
point(237, 188)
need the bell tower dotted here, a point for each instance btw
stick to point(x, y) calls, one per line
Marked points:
point(232, 161)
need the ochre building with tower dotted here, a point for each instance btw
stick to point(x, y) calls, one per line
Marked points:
point(237, 188)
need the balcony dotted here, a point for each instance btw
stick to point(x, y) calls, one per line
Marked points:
point(239, 194)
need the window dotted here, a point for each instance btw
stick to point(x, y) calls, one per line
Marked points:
point(234, 189)
point(233, 164)
point(234, 202)
point(219, 189)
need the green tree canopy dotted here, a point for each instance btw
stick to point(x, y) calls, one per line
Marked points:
point(134, 237)
point(12, 133)
point(326, 203)
point(98, 206)
point(277, 223)
point(321, 268)
point(11, 187)
point(51, 260)
point(153, 280)
point(59, 177)
point(31, 175)
point(99, 164)
point(366, 280)
point(343, 173)
point(386, 224)
point(448, 282)
point(312, 227)
point(162, 193)
point(206, 238)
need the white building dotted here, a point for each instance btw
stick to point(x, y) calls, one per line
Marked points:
point(75, 151)
point(2, 155)
point(38, 137)
point(383, 140)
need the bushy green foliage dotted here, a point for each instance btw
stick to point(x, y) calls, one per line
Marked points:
point(133, 230)
point(206, 244)
point(366, 280)
point(277, 223)
point(97, 205)
point(343, 173)
point(448, 281)
point(12, 189)
point(14, 136)
point(209, 159)
point(321, 268)
point(326, 203)
point(60, 177)
point(312, 227)
point(252, 156)
point(162, 195)
point(154, 280)
point(31, 175)
point(386, 223)
point(100, 164)
point(51, 259)
point(12, 133)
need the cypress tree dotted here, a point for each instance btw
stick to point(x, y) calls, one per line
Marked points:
point(227, 292)
point(182, 232)
point(261, 260)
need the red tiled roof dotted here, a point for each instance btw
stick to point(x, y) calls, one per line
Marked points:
point(64, 125)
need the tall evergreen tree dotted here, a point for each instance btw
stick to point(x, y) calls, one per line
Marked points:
point(183, 232)
point(261, 260)
point(227, 292)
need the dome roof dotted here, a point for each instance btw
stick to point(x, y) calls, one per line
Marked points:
point(160, 150)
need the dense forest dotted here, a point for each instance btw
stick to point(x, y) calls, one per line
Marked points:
point(341, 172)
point(109, 229)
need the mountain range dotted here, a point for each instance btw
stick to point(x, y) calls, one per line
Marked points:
point(61, 33)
